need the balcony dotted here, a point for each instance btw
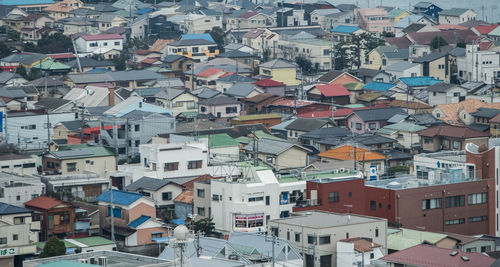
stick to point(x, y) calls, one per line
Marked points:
point(307, 203)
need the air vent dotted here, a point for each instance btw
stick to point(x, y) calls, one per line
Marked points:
point(454, 253)
point(464, 258)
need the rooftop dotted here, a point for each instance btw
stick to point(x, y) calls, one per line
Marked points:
point(323, 219)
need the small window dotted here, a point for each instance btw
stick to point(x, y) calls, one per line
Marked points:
point(171, 166)
point(333, 197)
point(166, 196)
point(194, 164)
point(71, 167)
point(200, 193)
point(15, 237)
point(201, 211)
point(137, 127)
point(311, 239)
point(373, 205)
point(297, 237)
point(324, 240)
point(376, 232)
point(3, 240)
point(358, 126)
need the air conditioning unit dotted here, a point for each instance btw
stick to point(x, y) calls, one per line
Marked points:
point(83, 261)
point(103, 261)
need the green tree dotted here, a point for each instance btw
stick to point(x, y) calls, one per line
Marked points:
point(205, 226)
point(54, 43)
point(438, 42)
point(304, 64)
point(53, 247)
point(21, 70)
point(30, 47)
point(120, 62)
point(4, 50)
point(218, 35)
point(137, 43)
point(341, 58)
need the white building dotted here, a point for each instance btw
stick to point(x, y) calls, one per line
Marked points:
point(456, 16)
point(18, 164)
point(98, 43)
point(479, 66)
point(17, 189)
point(86, 186)
point(196, 23)
point(443, 165)
point(403, 69)
point(358, 250)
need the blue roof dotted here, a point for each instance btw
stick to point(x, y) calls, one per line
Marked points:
point(143, 11)
point(179, 221)
point(204, 36)
point(139, 221)
point(345, 29)
point(420, 81)
point(24, 2)
point(98, 70)
point(378, 86)
point(11, 209)
point(119, 197)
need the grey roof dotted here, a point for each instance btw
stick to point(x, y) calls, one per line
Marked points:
point(84, 12)
point(479, 127)
point(106, 17)
point(400, 66)
point(128, 75)
point(441, 87)
point(453, 12)
point(423, 4)
point(205, 93)
point(87, 62)
point(124, 93)
point(430, 57)
point(378, 114)
point(235, 54)
point(104, 7)
point(51, 103)
point(477, 88)
point(277, 64)
point(330, 76)
point(272, 146)
point(236, 78)
point(346, 7)
point(457, 52)
point(424, 119)
point(171, 58)
point(281, 126)
point(5, 76)
point(97, 111)
point(219, 100)
point(140, 115)
point(72, 125)
point(306, 124)
point(148, 183)
point(160, 92)
point(189, 42)
point(400, 53)
point(241, 89)
point(414, 27)
point(486, 113)
point(367, 139)
point(12, 92)
point(397, 118)
point(323, 219)
point(326, 132)
point(6, 209)
point(52, 81)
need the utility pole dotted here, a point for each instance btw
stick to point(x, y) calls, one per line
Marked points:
point(273, 240)
point(127, 139)
point(112, 210)
point(198, 248)
point(48, 131)
point(354, 148)
point(82, 108)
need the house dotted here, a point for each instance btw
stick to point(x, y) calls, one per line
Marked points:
point(108, 21)
point(427, 255)
point(482, 118)
point(271, 86)
point(240, 56)
point(18, 232)
point(65, 129)
point(247, 20)
point(436, 65)
point(62, 9)
point(383, 56)
point(280, 155)
point(371, 163)
point(134, 217)
point(33, 25)
point(329, 93)
point(372, 75)
point(444, 93)
point(313, 137)
point(257, 103)
point(301, 126)
point(338, 77)
point(30, 6)
point(11, 79)
point(403, 69)
point(374, 20)
point(161, 191)
point(223, 148)
point(427, 8)
point(456, 16)
point(396, 14)
point(198, 49)
point(18, 164)
point(494, 125)
point(461, 113)
point(227, 80)
point(94, 96)
point(73, 25)
point(344, 33)
point(369, 120)
point(478, 65)
point(220, 107)
point(82, 158)
point(196, 23)
point(269, 119)
point(56, 217)
point(351, 251)
point(130, 79)
point(176, 100)
point(404, 132)
point(317, 50)
point(88, 64)
point(243, 90)
point(98, 44)
point(323, 230)
point(319, 16)
point(178, 64)
point(450, 137)
point(183, 205)
point(280, 71)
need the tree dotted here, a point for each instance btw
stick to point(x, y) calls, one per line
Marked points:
point(4, 50)
point(34, 74)
point(205, 226)
point(54, 43)
point(218, 35)
point(341, 58)
point(304, 64)
point(120, 62)
point(53, 247)
point(21, 70)
point(137, 43)
point(437, 42)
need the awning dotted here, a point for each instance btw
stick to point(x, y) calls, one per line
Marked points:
point(179, 221)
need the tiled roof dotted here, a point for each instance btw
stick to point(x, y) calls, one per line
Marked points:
point(451, 111)
point(451, 37)
point(159, 44)
point(369, 97)
point(378, 114)
point(135, 223)
point(43, 202)
point(185, 197)
point(400, 42)
point(261, 97)
point(345, 29)
point(119, 197)
point(268, 83)
point(277, 64)
point(11, 209)
point(97, 37)
point(452, 131)
point(247, 15)
point(495, 119)
point(346, 152)
point(254, 33)
point(361, 244)
point(147, 183)
point(330, 90)
point(429, 57)
point(209, 72)
point(447, 27)
point(272, 146)
point(306, 125)
point(219, 100)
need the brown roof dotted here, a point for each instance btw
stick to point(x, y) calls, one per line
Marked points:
point(451, 111)
point(411, 104)
point(190, 185)
point(254, 33)
point(495, 119)
point(159, 45)
point(362, 244)
point(185, 197)
point(43, 202)
point(452, 131)
point(400, 42)
point(261, 97)
point(451, 37)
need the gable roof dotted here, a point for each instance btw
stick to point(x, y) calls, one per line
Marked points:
point(327, 132)
point(241, 89)
point(332, 75)
point(6, 209)
point(441, 87)
point(346, 152)
point(330, 90)
point(148, 183)
point(452, 131)
point(378, 86)
point(277, 64)
point(306, 124)
point(272, 146)
point(51, 103)
point(97, 37)
point(220, 140)
point(219, 100)
point(43, 202)
point(345, 29)
point(378, 114)
point(137, 222)
point(185, 197)
point(450, 112)
point(119, 197)
point(455, 12)
point(268, 83)
point(429, 57)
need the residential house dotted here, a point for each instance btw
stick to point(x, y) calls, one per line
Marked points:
point(371, 163)
point(257, 103)
point(130, 79)
point(478, 65)
point(312, 138)
point(62, 9)
point(11, 79)
point(372, 75)
point(427, 8)
point(301, 126)
point(73, 25)
point(269, 119)
point(260, 39)
point(108, 21)
point(338, 77)
point(374, 20)
point(88, 64)
point(134, 217)
point(247, 20)
point(243, 90)
point(370, 120)
point(315, 49)
point(33, 26)
point(450, 137)
point(18, 232)
point(323, 231)
point(444, 93)
point(354, 250)
point(280, 71)
point(271, 86)
point(344, 33)
point(403, 69)
point(482, 119)
point(279, 154)
point(319, 16)
point(30, 6)
point(14, 18)
point(82, 158)
point(396, 14)
point(223, 148)
point(56, 217)
point(383, 56)
point(220, 107)
point(240, 56)
point(99, 44)
point(494, 126)
point(198, 49)
point(17, 164)
point(461, 113)
point(329, 93)
point(228, 80)
point(456, 16)
point(178, 64)
point(176, 100)
point(196, 23)
point(202, 199)
point(183, 205)
point(436, 65)
point(94, 96)
point(404, 132)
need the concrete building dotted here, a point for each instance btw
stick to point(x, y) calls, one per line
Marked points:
point(17, 189)
point(478, 65)
point(316, 233)
point(18, 164)
point(374, 20)
point(444, 93)
point(202, 196)
point(98, 44)
point(85, 186)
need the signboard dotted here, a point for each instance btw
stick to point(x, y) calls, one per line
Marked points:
point(7, 252)
point(373, 173)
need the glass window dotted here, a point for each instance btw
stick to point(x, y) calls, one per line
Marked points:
point(311, 239)
point(171, 166)
point(201, 193)
point(194, 164)
point(434, 203)
point(455, 201)
point(201, 211)
point(166, 196)
point(333, 197)
point(479, 198)
point(297, 237)
point(455, 221)
point(324, 240)
point(373, 205)
point(358, 126)
point(71, 167)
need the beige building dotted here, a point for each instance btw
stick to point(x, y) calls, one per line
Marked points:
point(202, 199)
point(319, 231)
point(435, 65)
point(62, 9)
point(281, 155)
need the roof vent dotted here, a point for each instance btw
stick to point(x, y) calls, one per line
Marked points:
point(454, 253)
point(465, 258)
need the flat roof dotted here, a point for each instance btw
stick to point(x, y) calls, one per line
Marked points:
point(409, 182)
point(323, 219)
point(321, 177)
point(456, 156)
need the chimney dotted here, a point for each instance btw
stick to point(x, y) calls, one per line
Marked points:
point(111, 96)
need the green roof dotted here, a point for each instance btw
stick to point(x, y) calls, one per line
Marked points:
point(399, 239)
point(52, 65)
point(66, 263)
point(353, 86)
point(316, 175)
point(258, 117)
point(245, 250)
point(402, 126)
point(395, 12)
point(82, 151)
point(94, 241)
point(354, 106)
point(495, 32)
point(221, 140)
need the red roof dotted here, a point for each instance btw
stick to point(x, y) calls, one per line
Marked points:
point(485, 29)
point(316, 114)
point(209, 72)
point(400, 42)
point(43, 202)
point(226, 74)
point(247, 15)
point(483, 46)
point(150, 60)
point(333, 90)
point(97, 37)
point(430, 256)
point(268, 83)
point(445, 27)
point(452, 131)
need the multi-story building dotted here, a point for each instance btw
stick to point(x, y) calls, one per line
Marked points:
point(198, 49)
point(456, 16)
point(18, 164)
point(202, 196)
point(479, 66)
point(316, 50)
point(315, 234)
point(16, 189)
point(98, 43)
point(374, 20)
point(86, 186)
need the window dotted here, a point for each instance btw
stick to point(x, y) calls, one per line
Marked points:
point(195, 49)
point(255, 199)
point(324, 239)
point(15, 237)
point(311, 239)
point(373, 205)
point(117, 43)
point(268, 200)
point(297, 237)
point(18, 197)
point(455, 221)
point(105, 44)
point(349, 194)
point(231, 110)
point(454, 201)
point(171, 166)
point(376, 232)
point(485, 248)
point(194, 164)
point(216, 197)
point(287, 235)
point(117, 212)
point(201, 211)
point(3, 240)
point(477, 219)
point(479, 198)
point(156, 235)
point(358, 126)
point(427, 140)
point(166, 196)
point(200, 193)
point(428, 204)
point(18, 220)
point(71, 167)
point(333, 197)
point(471, 250)
point(372, 126)
point(456, 94)
point(137, 127)
point(456, 144)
